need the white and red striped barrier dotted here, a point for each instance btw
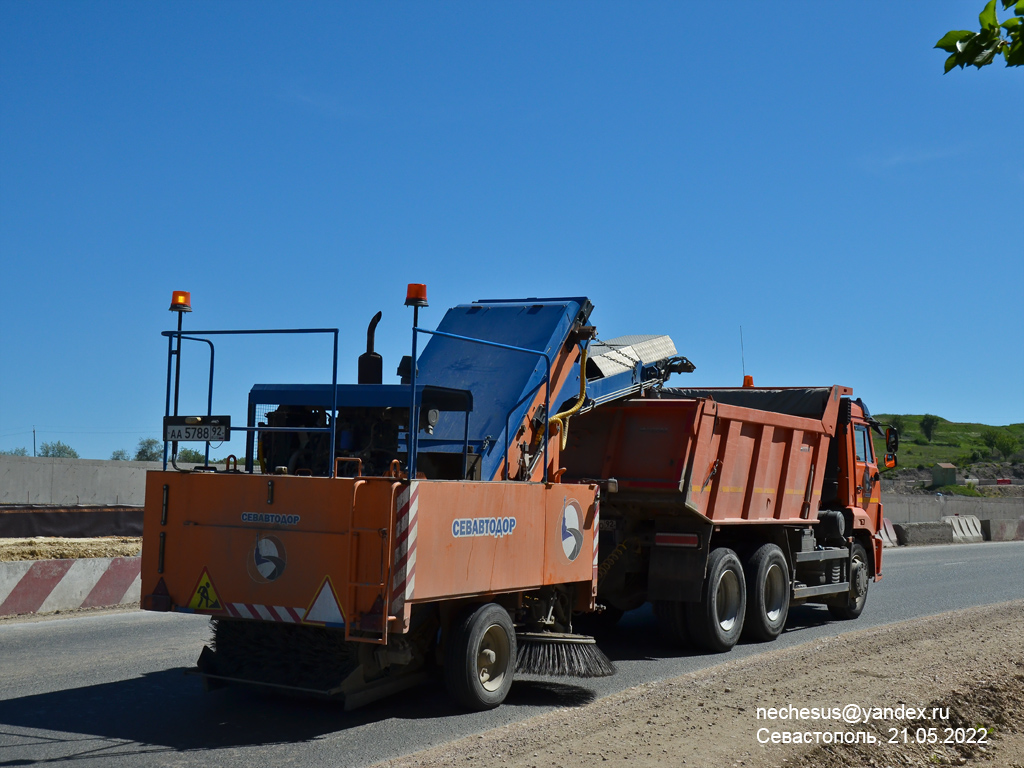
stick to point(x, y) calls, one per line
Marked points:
point(265, 612)
point(406, 528)
point(38, 586)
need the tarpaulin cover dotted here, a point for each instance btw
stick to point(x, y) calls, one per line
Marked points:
point(809, 402)
point(22, 522)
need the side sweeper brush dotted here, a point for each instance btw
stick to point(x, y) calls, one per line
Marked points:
point(558, 654)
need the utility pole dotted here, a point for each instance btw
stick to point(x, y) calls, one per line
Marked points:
point(33, 440)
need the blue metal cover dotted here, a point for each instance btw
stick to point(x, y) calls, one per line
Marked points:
point(498, 378)
point(360, 396)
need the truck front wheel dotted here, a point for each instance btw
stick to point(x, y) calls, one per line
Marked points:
point(716, 621)
point(850, 605)
point(480, 657)
point(767, 593)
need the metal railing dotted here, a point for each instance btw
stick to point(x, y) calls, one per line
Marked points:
point(197, 336)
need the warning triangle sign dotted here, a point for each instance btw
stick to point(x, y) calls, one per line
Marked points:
point(204, 596)
point(325, 608)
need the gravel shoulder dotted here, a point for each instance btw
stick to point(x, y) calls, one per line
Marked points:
point(969, 664)
point(57, 548)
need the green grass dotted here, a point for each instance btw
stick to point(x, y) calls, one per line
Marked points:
point(952, 442)
point(959, 490)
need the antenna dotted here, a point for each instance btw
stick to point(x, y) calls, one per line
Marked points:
point(743, 362)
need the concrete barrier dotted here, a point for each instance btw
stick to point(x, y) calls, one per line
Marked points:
point(928, 533)
point(923, 509)
point(888, 533)
point(901, 534)
point(973, 525)
point(1003, 530)
point(37, 586)
point(966, 529)
point(37, 480)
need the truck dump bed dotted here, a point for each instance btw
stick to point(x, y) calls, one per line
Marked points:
point(728, 455)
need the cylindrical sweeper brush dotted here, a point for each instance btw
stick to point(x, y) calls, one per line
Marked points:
point(557, 654)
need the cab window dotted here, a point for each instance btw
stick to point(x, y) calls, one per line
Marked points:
point(863, 443)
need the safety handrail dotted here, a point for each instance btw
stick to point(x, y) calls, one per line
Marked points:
point(171, 335)
point(195, 336)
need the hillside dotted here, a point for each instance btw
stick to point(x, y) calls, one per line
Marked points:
point(957, 443)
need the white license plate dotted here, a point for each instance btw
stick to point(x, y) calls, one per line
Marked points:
point(199, 432)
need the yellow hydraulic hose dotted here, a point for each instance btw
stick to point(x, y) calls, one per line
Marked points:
point(561, 420)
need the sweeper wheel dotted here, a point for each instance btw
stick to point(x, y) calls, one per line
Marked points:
point(480, 656)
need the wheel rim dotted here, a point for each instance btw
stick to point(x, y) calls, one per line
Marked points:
point(492, 658)
point(727, 600)
point(859, 580)
point(774, 592)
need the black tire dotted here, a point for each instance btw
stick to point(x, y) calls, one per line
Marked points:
point(852, 604)
point(715, 623)
point(768, 593)
point(480, 657)
point(672, 622)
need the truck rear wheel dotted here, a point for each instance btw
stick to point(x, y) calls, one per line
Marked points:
point(480, 657)
point(716, 621)
point(851, 605)
point(767, 593)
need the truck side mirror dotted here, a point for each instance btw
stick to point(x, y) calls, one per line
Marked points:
point(892, 440)
point(890, 460)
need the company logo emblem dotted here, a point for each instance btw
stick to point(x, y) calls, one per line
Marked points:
point(266, 560)
point(572, 536)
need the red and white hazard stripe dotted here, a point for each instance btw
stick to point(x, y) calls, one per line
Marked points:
point(403, 583)
point(265, 612)
point(36, 586)
point(596, 529)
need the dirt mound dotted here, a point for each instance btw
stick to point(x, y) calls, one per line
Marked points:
point(967, 666)
point(987, 714)
point(55, 548)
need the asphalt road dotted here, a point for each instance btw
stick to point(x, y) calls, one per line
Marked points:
point(111, 690)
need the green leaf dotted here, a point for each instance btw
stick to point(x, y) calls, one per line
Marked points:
point(1018, 9)
point(951, 38)
point(985, 57)
point(951, 62)
point(1015, 54)
point(1011, 23)
point(988, 16)
point(1008, 3)
point(969, 48)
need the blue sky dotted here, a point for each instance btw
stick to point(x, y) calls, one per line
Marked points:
point(802, 170)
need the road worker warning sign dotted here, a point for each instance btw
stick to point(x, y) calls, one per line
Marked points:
point(204, 596)
point(325, 608)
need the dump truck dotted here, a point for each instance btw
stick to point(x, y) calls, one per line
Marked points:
point(523, 475)
point(729, 505)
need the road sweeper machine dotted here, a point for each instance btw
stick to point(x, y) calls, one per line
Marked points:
point(522, 477)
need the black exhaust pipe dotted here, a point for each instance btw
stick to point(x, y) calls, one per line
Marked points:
point(371, 365)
